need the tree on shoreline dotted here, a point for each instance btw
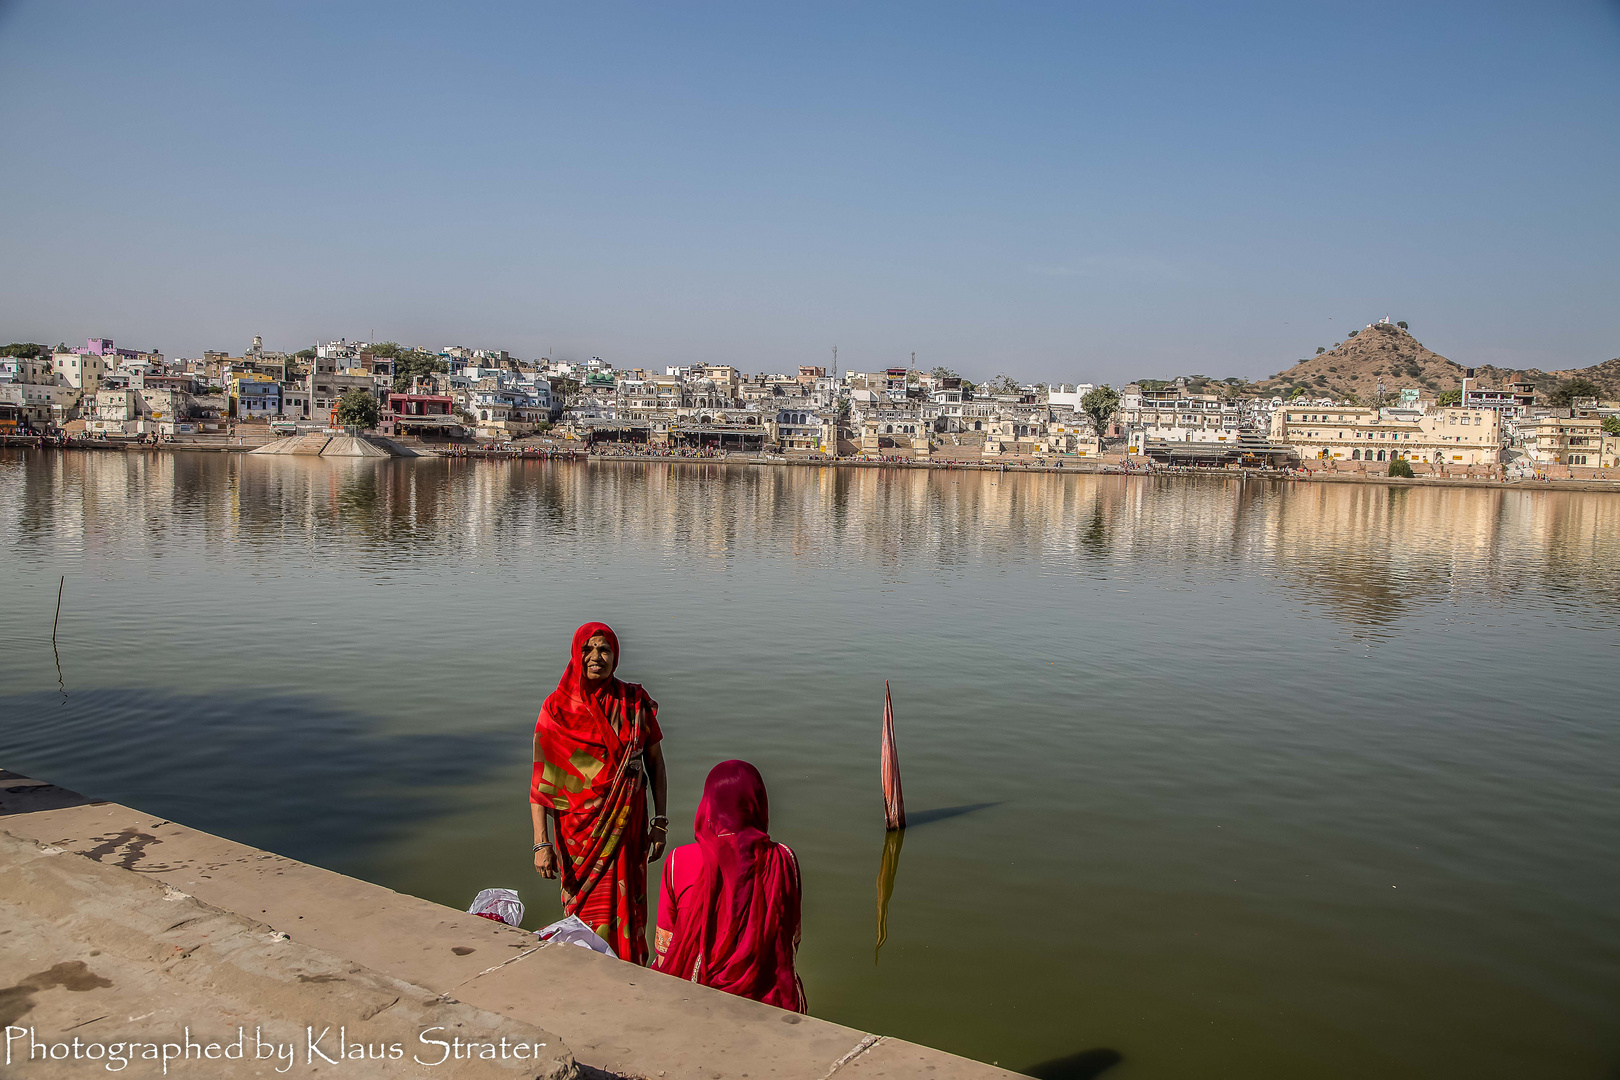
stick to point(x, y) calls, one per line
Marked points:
point(1100, 405)
point(357, 408)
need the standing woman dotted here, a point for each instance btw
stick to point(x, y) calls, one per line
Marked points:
point(729, 913)
point(596, 750)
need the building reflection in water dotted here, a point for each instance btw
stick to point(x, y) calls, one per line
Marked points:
point(1367, 555)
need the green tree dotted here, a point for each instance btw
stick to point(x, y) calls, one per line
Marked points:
point(1570, 389)
point(1003, 384)
point(944, 373)
point(1402, 325)
point(410, 363)
point(1320, 349)
point(304, 354)
point(1100, 404)
point(24, 350)
point(1449, 397)
point(388, 350)
point(357, 408)
point(1401, 467)
point(564, 388)
point(1611, 424)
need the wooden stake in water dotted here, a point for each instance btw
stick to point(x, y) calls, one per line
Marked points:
point(894, 805)
point(59, 587)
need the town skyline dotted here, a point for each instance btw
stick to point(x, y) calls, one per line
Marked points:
point(1065, 190)
point(839, 356)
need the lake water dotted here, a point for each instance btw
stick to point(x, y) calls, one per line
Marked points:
point(1225, 778)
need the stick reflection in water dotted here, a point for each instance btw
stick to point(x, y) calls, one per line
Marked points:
point(893, 841)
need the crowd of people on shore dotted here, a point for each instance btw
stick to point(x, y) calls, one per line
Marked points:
point(640, 450)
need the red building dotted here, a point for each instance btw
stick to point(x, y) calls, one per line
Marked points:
point(420, 414)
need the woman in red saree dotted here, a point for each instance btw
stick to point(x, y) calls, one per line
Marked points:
point(596, 750)
point(728, 916)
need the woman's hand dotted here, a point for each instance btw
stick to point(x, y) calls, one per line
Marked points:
point(655, 850)
point(545, 862)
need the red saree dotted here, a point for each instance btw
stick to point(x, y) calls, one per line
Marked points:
point(588, 768)
point(736, 928)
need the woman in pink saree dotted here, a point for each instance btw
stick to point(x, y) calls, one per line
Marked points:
point(728, 916)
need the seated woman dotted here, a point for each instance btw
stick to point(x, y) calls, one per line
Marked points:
point(729, 913)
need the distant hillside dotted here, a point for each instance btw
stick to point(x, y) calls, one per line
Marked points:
point(1385, 352)
point(1354, 368)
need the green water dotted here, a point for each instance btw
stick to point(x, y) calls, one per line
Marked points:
point(1225, 778)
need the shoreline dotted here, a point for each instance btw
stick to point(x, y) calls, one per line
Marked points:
point(1088, 469)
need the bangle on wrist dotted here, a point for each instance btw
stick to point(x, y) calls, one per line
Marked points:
point(541, 844)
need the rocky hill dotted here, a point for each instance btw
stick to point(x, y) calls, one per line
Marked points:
point(1384, 352)
point(1353, 368)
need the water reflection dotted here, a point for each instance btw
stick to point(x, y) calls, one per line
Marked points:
point(888, 868)
point(1367, 555)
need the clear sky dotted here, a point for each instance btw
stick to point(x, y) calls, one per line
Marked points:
point(1059, 191)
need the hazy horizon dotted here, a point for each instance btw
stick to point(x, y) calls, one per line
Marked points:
point(1058, 193)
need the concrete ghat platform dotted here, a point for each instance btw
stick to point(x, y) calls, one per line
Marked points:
point(613, 1017)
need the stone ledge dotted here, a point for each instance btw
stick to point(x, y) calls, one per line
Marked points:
point(107, 957)
point(616, 1018)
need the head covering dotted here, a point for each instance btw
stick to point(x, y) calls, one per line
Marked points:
point(737, 932)
point(587, 766)
point(591, 727)
point(573, 685)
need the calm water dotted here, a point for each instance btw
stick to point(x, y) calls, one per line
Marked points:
point(1230, 779)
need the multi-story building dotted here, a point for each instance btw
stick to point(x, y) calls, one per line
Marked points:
point(1068, 394)
point(1569, 437)
point(420, 414)
point(256, 397)
point(1450, 435)
point(295, 400)
point(325, 389)
point(507, 413)
point(797, 425)
point(115, 411)
point(27, 369)
point(82, 371)
point(1174, 414)
point(1516, 400)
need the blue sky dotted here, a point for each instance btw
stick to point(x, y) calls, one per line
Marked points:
point(1066, 192)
